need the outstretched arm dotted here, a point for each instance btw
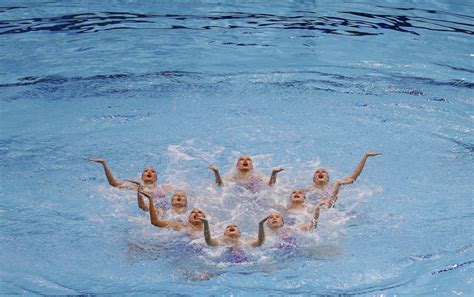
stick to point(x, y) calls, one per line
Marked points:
point(352, 178)
point(347, 180)
point(217, 174)
point(314, 221)
point(261, 234)
point(112, 181)
point(207, 234)
point(273, 177)
point(153, 213)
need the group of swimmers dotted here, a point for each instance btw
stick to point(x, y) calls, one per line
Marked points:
point(169, 214)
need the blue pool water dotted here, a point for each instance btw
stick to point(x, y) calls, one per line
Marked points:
point(180, 86)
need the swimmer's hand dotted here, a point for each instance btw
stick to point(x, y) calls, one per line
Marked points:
point(213, 168)
point(264, 220)
point(145, 194)
point(327, 203)
point(371, 154)
point(97, 160)
point(277, 169)
point(273, 177)
point(217, 174)
point(204, 220)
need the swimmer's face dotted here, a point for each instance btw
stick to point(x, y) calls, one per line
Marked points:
point(149, 175)
point(275, 220)
point(297, 197)
point(232, 231)
point(195, 217)
point(179, 200)
point(244, 163)
point(321, 177)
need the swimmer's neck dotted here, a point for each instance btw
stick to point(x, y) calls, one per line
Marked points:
point(297, 206)
point(319, 186)
point(149, 185)
point(244, 174)
point(231, 241)
point(196, 228)
point(275, 230)
point(179, 210)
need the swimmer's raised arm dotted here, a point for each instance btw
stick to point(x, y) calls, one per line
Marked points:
point(352, 178)
point(273, 177)
point(140, 201)
point(207, 234)
point(154, 216)
point(261, 234)
point(217, 175)
point(110, 178)
point(347, 180)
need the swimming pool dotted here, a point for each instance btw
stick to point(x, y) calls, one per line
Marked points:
point(181, 86)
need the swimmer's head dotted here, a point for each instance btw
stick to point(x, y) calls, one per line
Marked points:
point(297, 197)
point(244, 163)
point(179, 200)
point(275, 221)
point(321, 177)
point(149, 175)
point(232, 231)
point(195, 217)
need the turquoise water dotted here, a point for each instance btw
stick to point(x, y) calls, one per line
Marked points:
point(180, 86)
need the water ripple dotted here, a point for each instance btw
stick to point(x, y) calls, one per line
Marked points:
point(452, 267)
point(350, 23)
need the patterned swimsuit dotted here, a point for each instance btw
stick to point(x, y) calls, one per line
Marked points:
point(235, 254)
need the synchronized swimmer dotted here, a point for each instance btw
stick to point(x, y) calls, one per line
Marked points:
point(245, 175)
point(150, 185)
point(326, 194)
point(322, 195)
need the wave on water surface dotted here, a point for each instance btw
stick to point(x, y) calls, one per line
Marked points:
point(350, 23)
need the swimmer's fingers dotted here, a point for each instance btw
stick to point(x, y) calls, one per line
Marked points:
point(278, 169)
point(97, 160)
point(204, 220)
point(371, 154)
point(264, 220)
